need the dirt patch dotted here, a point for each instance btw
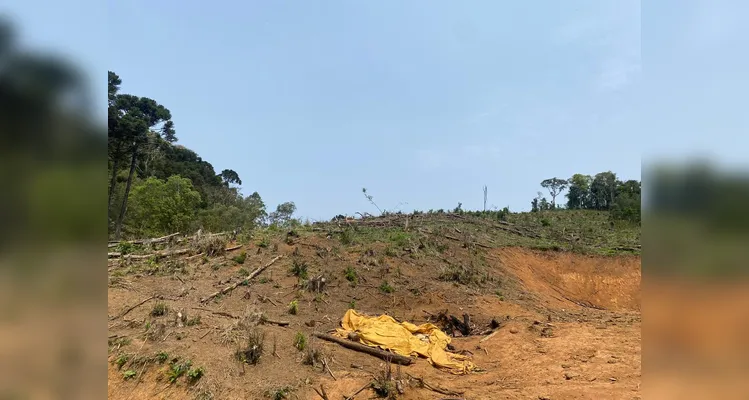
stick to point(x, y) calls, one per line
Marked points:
point(565, 280)
point(589, 354)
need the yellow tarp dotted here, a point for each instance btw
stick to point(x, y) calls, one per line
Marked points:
point(405, 339)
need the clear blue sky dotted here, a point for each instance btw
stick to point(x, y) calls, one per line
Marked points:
point(423, 102)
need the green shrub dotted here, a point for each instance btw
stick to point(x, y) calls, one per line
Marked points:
point(351, 275)
point(159, 309)
point(299, 269)
point(129, 374)
point(300, 341)
point(194, 374)
point(385, 287)
point(347, 237)
point(177, 369)
point(400, 239)
point(162, 357)
point(294, 307)
point(240, 258)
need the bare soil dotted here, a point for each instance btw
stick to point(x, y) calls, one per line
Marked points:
point(570, 322)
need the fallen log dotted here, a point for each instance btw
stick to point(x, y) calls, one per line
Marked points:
point(146, 256)
point(232, 248)
point(394, 358)
point(247, 279)
point(274, 321)
point(146, 241)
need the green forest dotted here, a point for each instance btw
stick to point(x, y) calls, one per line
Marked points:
point(157, 186)
point(602, 192)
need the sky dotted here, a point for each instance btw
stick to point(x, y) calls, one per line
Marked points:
point(421, 102)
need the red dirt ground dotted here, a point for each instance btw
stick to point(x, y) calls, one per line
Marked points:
point(591, 306)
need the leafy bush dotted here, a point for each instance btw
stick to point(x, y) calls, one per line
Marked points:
point(385, 287)
point(351, 275)
point(401, 239)
point(300, 341)
point(294, 307)
point(159, 309)
point(158, 207)
point(347, 237)
point(129, 374)
point(239, 259)
point(299, 268)
point(177, 369)
point(194, 374)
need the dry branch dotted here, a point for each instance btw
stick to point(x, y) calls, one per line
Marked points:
point(126, 311)
point(437, 389)
point(321, 392)
point(146, 241)
point(232, 248)
point(394, 358)
point(247, 279)
point(489, 337)
point(146, 256)
point(274, 321)
point(327, 367)
point(367, 385)
point(221, 313)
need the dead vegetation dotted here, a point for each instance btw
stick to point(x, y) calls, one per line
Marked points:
point(251, 352)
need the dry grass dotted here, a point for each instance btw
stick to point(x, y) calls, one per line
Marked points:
point(211, 246)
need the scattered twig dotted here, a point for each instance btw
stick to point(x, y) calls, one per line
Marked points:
point(327, 367)
point(125, 312)
point(394, 358)
point(221, 313)
point(266, 298)
point(206, 334)
point(489, 336)
point(146, 256)
point(145, 241)
point(321, 392)
point(437, 389)
point(247, 279)
point(274, 321)
point(367, 385)
point(232, 248)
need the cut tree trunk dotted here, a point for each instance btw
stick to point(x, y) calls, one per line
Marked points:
point(113, 180)
point(394, 358)
point(123, 209)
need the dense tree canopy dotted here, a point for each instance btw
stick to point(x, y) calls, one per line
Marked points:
point(600, 192)
point(168, 187)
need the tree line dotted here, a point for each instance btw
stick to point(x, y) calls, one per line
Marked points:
point(603, 192)
point(157, 186)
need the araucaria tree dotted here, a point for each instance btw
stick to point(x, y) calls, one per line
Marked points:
point(555, 186)
point(130, 119)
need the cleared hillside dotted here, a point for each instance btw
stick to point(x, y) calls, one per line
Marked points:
point(559, 291)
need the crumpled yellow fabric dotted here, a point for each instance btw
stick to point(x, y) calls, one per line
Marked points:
point(406, 339)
